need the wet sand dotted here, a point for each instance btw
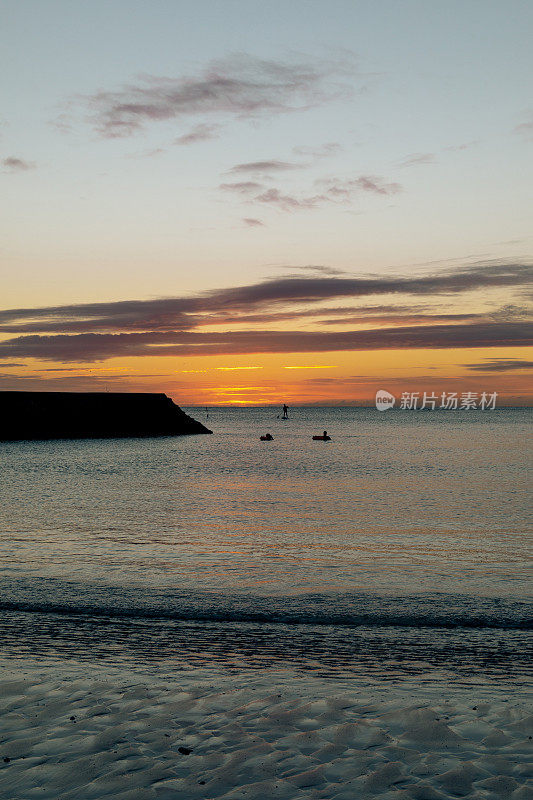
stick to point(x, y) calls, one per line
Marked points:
point(70, 735)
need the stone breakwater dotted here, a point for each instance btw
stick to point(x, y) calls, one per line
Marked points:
point(91, 415)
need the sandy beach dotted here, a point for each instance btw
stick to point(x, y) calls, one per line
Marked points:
point(70, 735)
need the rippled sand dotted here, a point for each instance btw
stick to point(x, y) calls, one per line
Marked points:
point(75, 737)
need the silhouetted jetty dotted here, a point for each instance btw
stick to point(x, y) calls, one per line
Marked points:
point(92, 415)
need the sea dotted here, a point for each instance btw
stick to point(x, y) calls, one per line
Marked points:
point(396, 551)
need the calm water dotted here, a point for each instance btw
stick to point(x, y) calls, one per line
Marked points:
point(399, 547)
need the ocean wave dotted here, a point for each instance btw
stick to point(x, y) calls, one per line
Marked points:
point(344, 610)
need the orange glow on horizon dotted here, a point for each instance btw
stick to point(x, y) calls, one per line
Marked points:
point(348, 378)
point(235, 369)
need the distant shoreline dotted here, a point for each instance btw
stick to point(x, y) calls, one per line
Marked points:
point(370, 406)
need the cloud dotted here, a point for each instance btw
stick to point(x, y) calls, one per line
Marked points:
point(185, 312)
point(314, 314)
point(251, 222)
point(511, 311)
point(156, 151)
point(366, 183)
point(332, 191)
point(525, 128)
point(326, 190)
point(240, 86)
point(265, 166)
point(416, 159)
point(338, 189)
point(322, 269)
point(500, 365)
point(172, 326)
point(322, 151)
point(312, 289)
point(97, 347)
point(402, 318)
point(358, 315)
point(242, 187)
point(377, 185)
point(13, 164)
point(454, 148)
point(200, 133)
point(420, 383)
point(83, 382)
point(288, 202)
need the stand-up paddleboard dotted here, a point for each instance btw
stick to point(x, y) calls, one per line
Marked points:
point(322, 438)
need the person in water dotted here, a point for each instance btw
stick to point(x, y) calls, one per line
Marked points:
point(285, 410)
point(268, 437)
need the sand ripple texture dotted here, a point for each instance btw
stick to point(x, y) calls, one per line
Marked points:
point(87, 739)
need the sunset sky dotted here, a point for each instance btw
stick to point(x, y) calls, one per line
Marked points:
point(243, 202)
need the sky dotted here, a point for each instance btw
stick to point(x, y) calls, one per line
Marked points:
point(243, 202)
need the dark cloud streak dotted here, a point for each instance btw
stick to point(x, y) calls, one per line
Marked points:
point(265, 166)
point(285, 290)
point(147, 327)
point(96, 347)
point(240, 86)
point(500, 365)
point(242, 187)
point(13, 164)
point(200, 133)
